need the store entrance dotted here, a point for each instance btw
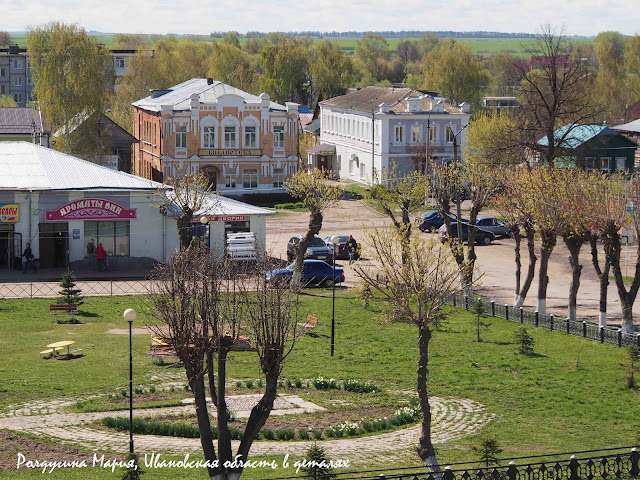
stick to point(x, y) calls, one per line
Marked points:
point(7, 246)
point(54, 245)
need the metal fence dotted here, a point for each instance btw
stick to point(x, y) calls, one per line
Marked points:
point(89, 288)
point(580, 328)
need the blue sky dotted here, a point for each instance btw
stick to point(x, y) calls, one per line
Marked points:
point(579, 17)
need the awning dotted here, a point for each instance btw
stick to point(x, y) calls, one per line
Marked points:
point(323, 148)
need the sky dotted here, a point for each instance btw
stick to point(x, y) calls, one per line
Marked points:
point(577, 17)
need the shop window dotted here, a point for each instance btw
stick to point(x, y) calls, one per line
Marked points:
point(181, 136)
point(250, 178)
point(209, 137)
point(250, 136)
point(114, 237)
point(212, 176)
point(278, 177)
point(278, 137)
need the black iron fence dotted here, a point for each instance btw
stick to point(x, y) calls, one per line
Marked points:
point(89, 288)
point(580, 328)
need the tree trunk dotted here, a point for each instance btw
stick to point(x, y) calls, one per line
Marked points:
point(611, 241)
point(184, 228)
point(574, 244)
point(548, 242)
point(204, 425)
point(315, 224)
point(516, 236)
point(603, 275)
point(531, 271)
point(224, 436)
point(425, 448)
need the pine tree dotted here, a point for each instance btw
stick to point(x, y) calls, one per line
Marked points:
point(488, 451)
point(318, 462)
point(525, 341)
point(70, 295)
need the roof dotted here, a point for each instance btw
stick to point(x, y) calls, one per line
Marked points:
point(322, 148)
point(26, 166)
point(313, 126)
point(628, 127)
point(82, 117)
point(19, 120)
point(371, 97)
point(216, 204)
point(572, 135)
point(179, 96)
point(305, 118)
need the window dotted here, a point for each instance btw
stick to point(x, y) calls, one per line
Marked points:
point(230, 179)
point(114, 236)
point(363, 171)
point(399, 134)
point(17, 63)
point(209, 137)
point(17, 97)
point(415, 134)
point(17, 81)
point(250, 137)
point(120, 62)
point(2, 72)
point(181, 136)
point(2, 90)
point(250, 178)
point(278, 177)
point(433, 133)
point(230, 137)
point(590, 163)
point(212, 176)
point(605, 163)
point(449, 134)
point(278, 137)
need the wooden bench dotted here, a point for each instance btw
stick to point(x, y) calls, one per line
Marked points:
point(51, 352)
point(69, 310)
point(311, 322)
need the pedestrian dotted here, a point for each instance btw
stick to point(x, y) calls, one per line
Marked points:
point(352, 245)
point(28, 258)
point(91, 248)
point(101, 255)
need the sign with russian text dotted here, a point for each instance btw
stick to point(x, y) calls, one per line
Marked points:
point(224, 218)
point(229, 152)
point(91, 209)
point(9, 213)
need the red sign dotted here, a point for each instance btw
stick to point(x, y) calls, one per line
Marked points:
point(91, 209)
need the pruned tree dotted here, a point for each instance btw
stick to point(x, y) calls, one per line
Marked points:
point(416, 291)
point(202, 308)
point(317, 192)
point(184, 196)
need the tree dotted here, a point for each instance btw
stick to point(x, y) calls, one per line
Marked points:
point(479, 310)
point(632, 64)
point(185, 195)
point(505, 76)
point(331, 70)
point(609, 85)
point(70, 293)
point(416, 290)
point(488, 451)
point(5, 38)
point(71, 77)
point(451, 70)
point(231, 65)
point(317, 193)
point(555, 91)
point(524, 341)
point(285, 69)
point(203, 308)
point(7, 101)
point(371, 51)
point(318, 464)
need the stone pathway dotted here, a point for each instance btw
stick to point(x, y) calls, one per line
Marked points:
point(453, 418)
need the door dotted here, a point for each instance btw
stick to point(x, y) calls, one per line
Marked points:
point(54, 245)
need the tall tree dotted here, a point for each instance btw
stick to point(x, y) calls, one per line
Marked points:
point(610, 87)
point(233, 66)
point(372, 50)
point(331, 70)
point(451, 69)
point(416, 289)
point(632, 64)
point(71, 76)
point(285, 67)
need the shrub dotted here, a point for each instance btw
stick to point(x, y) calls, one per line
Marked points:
point(303, 435)
point(366, 427)
point(289, 384)
point(359, 387)
point(123, 393)
point(298, 383)
point(186, 387)
point(524, 341)
point(317, 460)
point(152, 389)
point(236, 433)
point(138, 391)
point(488, 451)
point(268, 434)
point(317, 434)
point(249, 383)
point(285, 434)
point(322, 384)
point(238, 384)
point(633, 355)
point(260, 383)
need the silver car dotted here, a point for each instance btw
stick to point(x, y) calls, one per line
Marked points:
point(494, 225)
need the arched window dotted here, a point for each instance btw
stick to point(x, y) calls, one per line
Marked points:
point(250, 132)
point(209, 132)
point(230, 132)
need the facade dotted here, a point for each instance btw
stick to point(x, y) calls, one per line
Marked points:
point(365, 132)
point(593, 147)
point(15, 74)
point(631, 130)
point(244, 144)
point(24, 124)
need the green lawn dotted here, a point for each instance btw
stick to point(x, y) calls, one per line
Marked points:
point(569, 396)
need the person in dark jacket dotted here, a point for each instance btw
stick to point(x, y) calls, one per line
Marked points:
point(352, 245)
point(28, 258)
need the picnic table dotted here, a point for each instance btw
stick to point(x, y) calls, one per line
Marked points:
point(54, 348)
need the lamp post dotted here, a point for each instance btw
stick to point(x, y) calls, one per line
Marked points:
point(333, 301)
point(204, 220)
point(130, 315)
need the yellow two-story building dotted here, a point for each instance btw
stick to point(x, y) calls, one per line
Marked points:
point(243, 143)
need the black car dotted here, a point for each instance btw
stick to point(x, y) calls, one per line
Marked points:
point(317, 249)
point(433, 221)
point(482, 236)
point(314, 273)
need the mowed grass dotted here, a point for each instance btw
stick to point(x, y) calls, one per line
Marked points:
point(569, 396)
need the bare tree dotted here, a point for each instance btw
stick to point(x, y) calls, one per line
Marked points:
point(201, 307)
point(5, 38)
point(416, 289)
point(317, 193)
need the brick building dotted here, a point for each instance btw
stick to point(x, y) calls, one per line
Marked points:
point(244, 143)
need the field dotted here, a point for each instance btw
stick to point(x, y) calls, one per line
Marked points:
point(569, 395)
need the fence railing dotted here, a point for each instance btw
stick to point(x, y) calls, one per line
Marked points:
point(89, 288)
point(580, 328)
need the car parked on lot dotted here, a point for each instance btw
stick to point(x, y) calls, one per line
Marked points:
point(317, 250)
point(433, 221)
point(494, 225)
point(314, 273)
point(341, 241)
point(482, 236)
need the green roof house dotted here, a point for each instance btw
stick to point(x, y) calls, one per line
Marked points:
point(592, 147)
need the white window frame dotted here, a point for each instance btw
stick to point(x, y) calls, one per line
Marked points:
point(398, 134)
point(230, 179)
point(278, 136)
point(449, 134)
point(608, 161)
point(251, 135)
point(120, 62)
point(590, 163)
point(17, 63)
point(278, 177)
point(209, 136)
point(181, 136)
point(230, 136)
point(17, 81)
point(416, 134)
point(250, 178)
point(17, 97)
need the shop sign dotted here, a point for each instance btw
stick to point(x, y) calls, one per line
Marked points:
point(91, 209)
point(229, 152)
point(224, 218)
point(9, 213)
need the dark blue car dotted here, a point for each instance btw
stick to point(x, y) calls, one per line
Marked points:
point(314, 273)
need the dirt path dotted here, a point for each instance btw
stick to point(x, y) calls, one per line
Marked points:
point(495, 262)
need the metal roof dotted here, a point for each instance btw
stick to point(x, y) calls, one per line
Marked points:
point(313, 126)
point(19, 120)
point(26, 166)
point(573, 135)
point(179, 96)
point(215, 204)
point(322, 148)
point(628, 127)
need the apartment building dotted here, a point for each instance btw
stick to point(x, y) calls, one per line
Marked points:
point(243, 143)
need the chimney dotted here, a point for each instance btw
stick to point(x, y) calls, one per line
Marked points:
point(14, 49)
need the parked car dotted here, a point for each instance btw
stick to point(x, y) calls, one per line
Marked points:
point(495, 226)
point(314, 273)
point(429, 213)
point(342, 252)
point(482, 236)
point(433, 222)
point(317, 250)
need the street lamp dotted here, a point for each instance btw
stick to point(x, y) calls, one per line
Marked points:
point(130, 315)
point(333, 301)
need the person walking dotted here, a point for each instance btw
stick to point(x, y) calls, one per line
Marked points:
point(352, 245)
point(28, 258)
point(101, 254)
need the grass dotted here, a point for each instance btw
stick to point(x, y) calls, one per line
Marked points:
point(552, 401)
